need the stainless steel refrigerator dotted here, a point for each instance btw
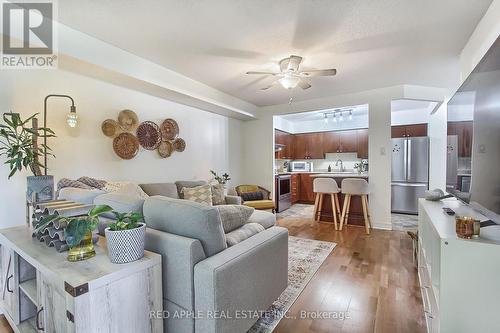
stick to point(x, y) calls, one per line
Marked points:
point(410, 173)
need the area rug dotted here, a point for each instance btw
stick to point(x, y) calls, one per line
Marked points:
point(297, 211)
point(305, 256)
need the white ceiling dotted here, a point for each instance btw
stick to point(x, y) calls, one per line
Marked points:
point(372, 44)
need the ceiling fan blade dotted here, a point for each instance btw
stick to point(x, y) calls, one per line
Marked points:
point(319, 72)
point(261, 73)
point(294, 63)
point(304, 85)
point(269, 86)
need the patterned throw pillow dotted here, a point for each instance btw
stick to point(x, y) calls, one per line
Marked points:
point(252, 196)
point(65, 182)
point(201, 194)
point(128, 188)
point(218, 197)
point(234, 216)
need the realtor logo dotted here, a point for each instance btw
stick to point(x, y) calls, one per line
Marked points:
point(28, 35)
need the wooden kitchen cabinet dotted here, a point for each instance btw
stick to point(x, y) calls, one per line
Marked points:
point(308, 146)
point(409, 131)
point(348, 141)
point(362, 135)
point(286, 139)
point(306, 188)
point(340, 141)
point(462, 129)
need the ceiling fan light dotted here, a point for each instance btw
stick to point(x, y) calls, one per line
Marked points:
point(289, 81)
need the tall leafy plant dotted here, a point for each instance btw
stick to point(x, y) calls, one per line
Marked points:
point(19, 145)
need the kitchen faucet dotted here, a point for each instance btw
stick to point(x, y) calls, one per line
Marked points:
point(341, 165)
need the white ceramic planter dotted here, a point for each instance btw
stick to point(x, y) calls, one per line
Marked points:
point(126, 245)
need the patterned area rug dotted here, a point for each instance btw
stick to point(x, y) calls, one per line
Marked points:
point(305, 256)
point(297, 211)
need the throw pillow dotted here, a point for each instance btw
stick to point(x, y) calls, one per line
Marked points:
point(218, 197)
point(187, 183)
point(252, 196)
point(126, 188)
point(65, 182)
point(234, 216)
point(201, 194)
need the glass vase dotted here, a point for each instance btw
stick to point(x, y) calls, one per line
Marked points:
point(82, 251)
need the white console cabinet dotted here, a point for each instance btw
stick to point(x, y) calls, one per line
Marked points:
point(40, 291)
point(459, 278)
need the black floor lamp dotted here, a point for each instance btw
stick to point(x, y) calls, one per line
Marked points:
point(71, 119)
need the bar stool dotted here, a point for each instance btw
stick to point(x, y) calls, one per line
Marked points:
point(328, 186)
point(350, 187)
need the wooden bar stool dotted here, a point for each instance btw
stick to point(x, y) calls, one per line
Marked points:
point(355, 186)
point(329, 187)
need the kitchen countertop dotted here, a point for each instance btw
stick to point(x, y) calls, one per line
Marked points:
point(328, 174)
point(339, 175)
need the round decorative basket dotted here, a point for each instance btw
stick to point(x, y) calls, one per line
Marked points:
point(126, 245)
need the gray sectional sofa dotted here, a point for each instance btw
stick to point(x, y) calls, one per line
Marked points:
point(208, 286)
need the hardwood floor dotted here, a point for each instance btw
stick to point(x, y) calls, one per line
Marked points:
point(371, 278)
point(4, 325)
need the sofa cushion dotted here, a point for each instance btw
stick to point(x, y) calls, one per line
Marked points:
point(79, 195)
point(252, 196)
point(122, 203)
point(187, 183)
point(186, 218)
point(265, 219)
point(244, 232)
point(218, 197)
point(234, 216)
point(260, 204)
point(163, 189)
point(201, 194)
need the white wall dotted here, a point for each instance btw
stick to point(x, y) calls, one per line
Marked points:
point(410, 116)
point(486, 32)
point(213, 141)
point(437, 132)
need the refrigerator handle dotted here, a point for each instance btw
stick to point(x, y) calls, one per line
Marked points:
point(405, 159)
point(408, 176)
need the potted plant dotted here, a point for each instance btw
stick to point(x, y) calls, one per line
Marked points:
point(19, 144)
point(221, 180)
point(77, 232)
point(125, 238)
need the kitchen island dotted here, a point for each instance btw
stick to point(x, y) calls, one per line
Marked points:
point(356, 208)
point(302, 192)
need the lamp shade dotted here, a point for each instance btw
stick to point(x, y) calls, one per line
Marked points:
point(289, 81)
point(72, 119)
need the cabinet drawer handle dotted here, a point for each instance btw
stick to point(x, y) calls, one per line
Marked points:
point(37, 321)
point(8, 284)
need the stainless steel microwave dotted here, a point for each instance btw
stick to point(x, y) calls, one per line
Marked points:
point(301, 166)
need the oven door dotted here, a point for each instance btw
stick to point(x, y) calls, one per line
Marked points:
point(284, 192)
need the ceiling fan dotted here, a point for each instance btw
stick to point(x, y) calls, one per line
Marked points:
point(290, 76)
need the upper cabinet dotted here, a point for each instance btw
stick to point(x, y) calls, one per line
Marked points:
point(462, 129)
point(362, 135)
point(409, 131)
point(308, 146)
point(340, 142)
point(316, 145)
point(287, 140)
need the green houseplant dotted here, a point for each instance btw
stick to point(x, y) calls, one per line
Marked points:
point(77, 232)
point(126, 237)
point(223, 179)
point(19, 145)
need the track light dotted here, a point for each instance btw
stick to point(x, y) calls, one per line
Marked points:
point(341, 118)
point(334, 118)
point(326, 118)
point(350, 114)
